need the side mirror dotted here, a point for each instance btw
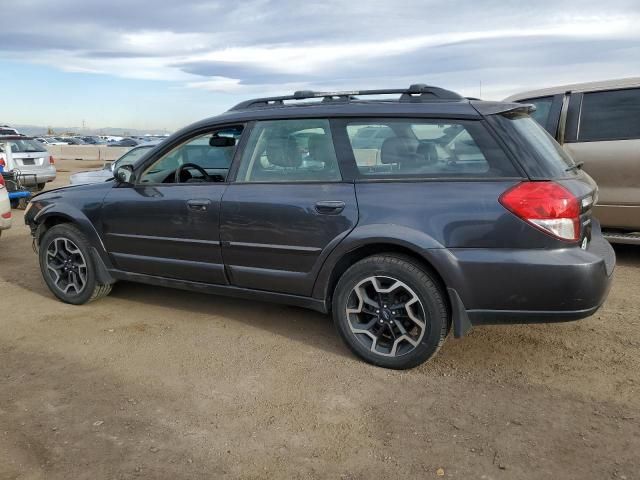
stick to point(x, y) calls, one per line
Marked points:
point(124, 174)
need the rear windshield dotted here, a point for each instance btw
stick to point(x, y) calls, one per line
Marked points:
point(543, 157)
point(24, 146)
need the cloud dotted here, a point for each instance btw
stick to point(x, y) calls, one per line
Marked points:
point(266, 46)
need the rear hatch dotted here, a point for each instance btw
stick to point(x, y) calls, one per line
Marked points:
point(26, 154)
point(543, 160)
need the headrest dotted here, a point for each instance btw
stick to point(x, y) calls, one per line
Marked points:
point(400, 150)
point(283, 152)
point(320, 147)
point(429, 152)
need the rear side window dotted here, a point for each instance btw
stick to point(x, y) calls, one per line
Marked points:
point(426, 148)
point(611, 115)
point(543, 109)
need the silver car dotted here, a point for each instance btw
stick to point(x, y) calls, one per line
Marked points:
point(28, 158)
point(106, 172)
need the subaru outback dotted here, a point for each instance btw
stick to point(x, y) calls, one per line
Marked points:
point(464, 213)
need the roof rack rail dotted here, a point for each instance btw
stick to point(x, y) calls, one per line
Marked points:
point(415, 93)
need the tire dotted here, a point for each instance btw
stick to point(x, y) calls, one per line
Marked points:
point(77, 286)
point(40, 187)
point(406, 297)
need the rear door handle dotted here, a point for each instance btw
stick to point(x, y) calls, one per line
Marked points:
point(198, 205)
point(329, 207)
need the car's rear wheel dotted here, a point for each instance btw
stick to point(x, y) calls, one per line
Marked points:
point(40, 187)
point(67, 266)
point(390, 311)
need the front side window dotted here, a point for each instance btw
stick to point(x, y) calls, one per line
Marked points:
point(290, 151)
point(611, 115)
point(205, 158)
point(427, 148)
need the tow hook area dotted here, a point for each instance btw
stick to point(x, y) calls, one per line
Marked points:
point(460, 319)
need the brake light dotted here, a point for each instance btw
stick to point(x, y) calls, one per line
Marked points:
point(7, 215)
point(2, 184)
point(547, 206)
point(51, 160)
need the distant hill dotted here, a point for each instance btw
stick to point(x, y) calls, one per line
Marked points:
point(115, 131)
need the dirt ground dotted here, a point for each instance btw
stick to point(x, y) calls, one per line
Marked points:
point(163, 384)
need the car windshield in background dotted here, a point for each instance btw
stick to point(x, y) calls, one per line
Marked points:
point(26, 146)
point(551, 159)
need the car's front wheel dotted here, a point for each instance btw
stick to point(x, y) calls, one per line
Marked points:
point(390, 311)
point(67, 266)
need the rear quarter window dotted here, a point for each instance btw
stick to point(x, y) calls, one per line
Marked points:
point(610, 115)
point(541, 155)
point(397, 148)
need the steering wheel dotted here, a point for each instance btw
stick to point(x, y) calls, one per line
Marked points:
point(181, 168)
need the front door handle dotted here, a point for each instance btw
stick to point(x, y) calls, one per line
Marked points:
point(198, 205)
point(329, 207)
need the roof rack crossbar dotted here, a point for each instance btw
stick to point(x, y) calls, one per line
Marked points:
point(415, 93)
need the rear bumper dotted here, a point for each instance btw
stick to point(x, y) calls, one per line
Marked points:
point(498, 286)
point(33, 177)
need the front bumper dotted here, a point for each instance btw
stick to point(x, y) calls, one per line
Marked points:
point(496, 286)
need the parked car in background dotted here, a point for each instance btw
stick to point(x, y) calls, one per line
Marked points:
point(598, 124)
point(471, 214)
point(29, 158)
point(50, 141)
point(106, 172)
point(91, 140)
point(7, 130)
point(74, 141)
point(125, 142)
point(5, 207)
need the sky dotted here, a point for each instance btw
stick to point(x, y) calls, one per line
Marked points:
point(163, 64)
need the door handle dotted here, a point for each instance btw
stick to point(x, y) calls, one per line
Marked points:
point(329, 207)
point(198, 205)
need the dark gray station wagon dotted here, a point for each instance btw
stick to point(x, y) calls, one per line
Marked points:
point(404, 217)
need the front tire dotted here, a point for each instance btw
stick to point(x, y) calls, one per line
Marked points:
point(67, 266)
point(390, 311)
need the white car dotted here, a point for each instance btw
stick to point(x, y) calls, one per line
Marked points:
point(106, 172)
point(29, 158)
point(5, 207)
point(50, 141)
point(7, 130)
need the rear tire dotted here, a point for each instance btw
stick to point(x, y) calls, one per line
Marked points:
point(390, 311)
point(40, 187)
point(67, 266)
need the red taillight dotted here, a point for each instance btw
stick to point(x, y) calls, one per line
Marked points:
point(2, 181)
point(547, 206)
point(51, 160)
point(7, 215)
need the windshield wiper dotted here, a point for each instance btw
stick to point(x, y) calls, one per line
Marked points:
point(574, 167)
point(32, 151)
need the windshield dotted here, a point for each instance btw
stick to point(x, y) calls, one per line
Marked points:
point(25, 146)
point(550, 159)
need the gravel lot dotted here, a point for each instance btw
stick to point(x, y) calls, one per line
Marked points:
point(164, 384)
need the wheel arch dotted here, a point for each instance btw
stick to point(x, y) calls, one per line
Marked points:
point(340, 263)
